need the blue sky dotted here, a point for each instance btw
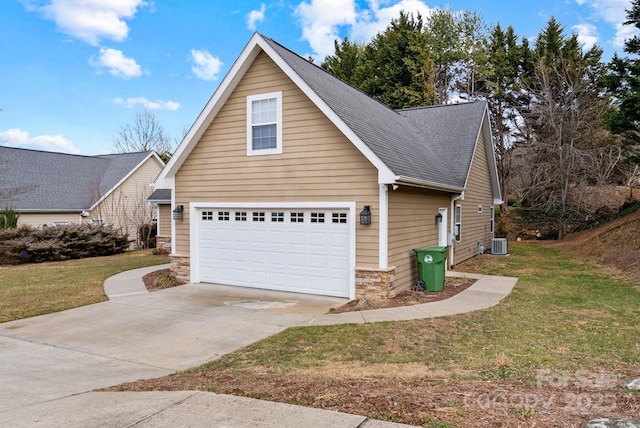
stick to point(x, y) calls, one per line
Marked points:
point(73, 72)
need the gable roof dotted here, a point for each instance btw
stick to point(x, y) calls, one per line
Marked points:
point(64, 182)
point(405, 146)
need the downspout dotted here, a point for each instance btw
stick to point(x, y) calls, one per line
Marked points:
point(452, 257)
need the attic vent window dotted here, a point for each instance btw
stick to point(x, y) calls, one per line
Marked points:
point(264, 124)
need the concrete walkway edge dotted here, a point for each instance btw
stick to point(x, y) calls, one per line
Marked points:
point(487, 291)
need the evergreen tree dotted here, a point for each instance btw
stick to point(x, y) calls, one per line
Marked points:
point(623, 80)
point(457, 42)
point(346, 62)
point(397, 67)
point(504, 66)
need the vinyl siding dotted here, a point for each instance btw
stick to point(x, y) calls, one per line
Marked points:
point(126, 206)
point(412, 225)
point(164, 220)
point(475, 226)
point(40, 219)
point(318, 163)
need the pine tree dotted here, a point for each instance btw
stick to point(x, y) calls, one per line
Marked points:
point(623, 80)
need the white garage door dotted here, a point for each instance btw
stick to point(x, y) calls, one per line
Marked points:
point(303, 251)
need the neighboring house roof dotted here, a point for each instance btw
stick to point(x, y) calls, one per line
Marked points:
point(63, 182)
point(160, 196)
point(431, 147)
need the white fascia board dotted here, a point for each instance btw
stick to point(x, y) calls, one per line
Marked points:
point(400, 179)
point(385, 175)
point(211, 109)
point(485, 130)
point(54, 211)
point(119, 183)
point(491, 157)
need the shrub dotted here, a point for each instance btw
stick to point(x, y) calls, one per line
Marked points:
point(167, 281)
point(30, 245)
point(8, 218)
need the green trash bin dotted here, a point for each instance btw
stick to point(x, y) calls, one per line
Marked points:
point(431, 267)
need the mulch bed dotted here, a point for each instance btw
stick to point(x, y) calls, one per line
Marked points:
point(452, 287)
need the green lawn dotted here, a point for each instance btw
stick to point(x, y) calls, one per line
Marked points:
point(564, 314)
point(36, 289)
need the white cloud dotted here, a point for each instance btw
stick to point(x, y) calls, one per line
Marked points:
point(370, 24)
point(624, 33)
point(16, 137)
point(89, 20)
point(321, 20)
point(587, 34)
point(148, 104)
point(117, 64)
point(206, 66)
point(256, 16)
point(612, 12)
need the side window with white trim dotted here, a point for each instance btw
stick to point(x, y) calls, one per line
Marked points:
point(458, 223)
point(264, 124)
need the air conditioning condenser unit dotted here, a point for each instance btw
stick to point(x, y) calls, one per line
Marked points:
point(499, 246)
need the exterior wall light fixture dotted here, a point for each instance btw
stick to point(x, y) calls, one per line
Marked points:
point(365, 215)
point(178, 212)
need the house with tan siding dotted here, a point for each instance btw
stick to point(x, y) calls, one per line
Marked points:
point(52, 189)
point(271, 186)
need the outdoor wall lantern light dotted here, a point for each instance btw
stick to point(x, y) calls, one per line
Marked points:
point(439, 218)
point(365, 215)
point(177, 212)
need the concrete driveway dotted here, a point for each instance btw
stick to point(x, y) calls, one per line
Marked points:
point(139, 335)
point(49, 364)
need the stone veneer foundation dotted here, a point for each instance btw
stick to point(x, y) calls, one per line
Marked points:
point(164, 243)
point(375, 283)
point(180, 266)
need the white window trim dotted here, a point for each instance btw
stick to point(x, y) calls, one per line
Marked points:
point(278, 149)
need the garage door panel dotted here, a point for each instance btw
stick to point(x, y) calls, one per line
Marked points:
point(297, 260)
point(241, 236)
point(258, 236)
point(287, 251)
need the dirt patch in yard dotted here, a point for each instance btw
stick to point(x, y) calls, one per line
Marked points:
point(615, 245)
point(420, 400)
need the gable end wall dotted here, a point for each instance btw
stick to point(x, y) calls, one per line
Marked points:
point(318, 163)
point(476, 226)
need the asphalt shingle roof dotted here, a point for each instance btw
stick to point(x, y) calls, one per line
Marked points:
point(432, 144)
point(160, 196)
point(59, 181)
